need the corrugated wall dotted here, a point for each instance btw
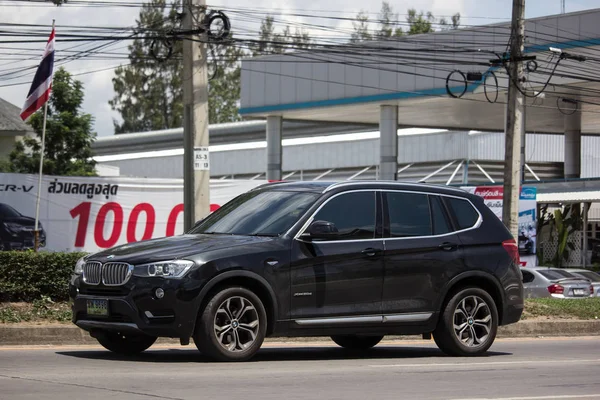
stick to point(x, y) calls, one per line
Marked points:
point(360, 153)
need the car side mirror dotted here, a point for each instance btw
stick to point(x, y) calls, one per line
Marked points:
point(320, 230)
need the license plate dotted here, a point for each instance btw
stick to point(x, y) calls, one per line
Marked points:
point(579, 292)
point(97, 307)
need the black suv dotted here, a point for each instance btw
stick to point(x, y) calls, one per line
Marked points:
point(352, 260)
point(17, 230)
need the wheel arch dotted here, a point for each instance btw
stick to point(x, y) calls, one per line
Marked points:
point(482, 280)
point(249, 280)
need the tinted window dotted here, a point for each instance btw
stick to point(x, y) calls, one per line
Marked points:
point(409, 214)
point(266, 213)
point(553, 274)
point(527, 277)
point(440, 221)
point(7, 211)
point(466, 215)
point(592, 276)
point(353, 214)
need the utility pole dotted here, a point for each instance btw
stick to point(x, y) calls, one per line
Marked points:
point(514, 122)
point(562, 6)
point(196, 168)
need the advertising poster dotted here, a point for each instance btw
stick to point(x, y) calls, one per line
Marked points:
point(493, 195)
point(90, 214)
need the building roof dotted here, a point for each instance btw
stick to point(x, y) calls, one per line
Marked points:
point(569, 197)
point(10, 121)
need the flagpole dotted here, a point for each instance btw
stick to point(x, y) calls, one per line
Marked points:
point(39, 191)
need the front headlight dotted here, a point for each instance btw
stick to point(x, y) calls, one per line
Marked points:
point(165, 269)
point(79, 266)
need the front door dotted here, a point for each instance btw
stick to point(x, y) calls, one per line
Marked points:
point(421, 252)
point(341, 276)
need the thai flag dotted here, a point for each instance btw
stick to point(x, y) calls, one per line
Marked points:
point(39, 93)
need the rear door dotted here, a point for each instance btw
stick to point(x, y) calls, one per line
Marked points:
point(421, 252)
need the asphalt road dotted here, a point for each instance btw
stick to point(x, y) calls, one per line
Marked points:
point(565, 368)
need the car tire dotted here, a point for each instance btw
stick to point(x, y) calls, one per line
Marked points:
point(232, 326)
point(468, 323)
point(125, 344)
point(356, 342)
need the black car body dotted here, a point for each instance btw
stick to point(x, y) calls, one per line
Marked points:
point(353, 260)
point(17, 231)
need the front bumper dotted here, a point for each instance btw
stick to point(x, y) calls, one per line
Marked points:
point(134, 308)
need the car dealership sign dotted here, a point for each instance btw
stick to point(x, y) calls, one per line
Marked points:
point(89, 214)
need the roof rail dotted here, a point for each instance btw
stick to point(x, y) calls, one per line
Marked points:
point(365, 182)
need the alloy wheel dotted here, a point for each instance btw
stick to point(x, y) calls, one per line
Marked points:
point(472, 321)
point(236, 324)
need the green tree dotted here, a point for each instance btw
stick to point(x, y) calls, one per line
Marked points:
point(271, 42)
point(362, 31)
point(388, 26)
point(149, 93)
point(387, 20)
point(69, 134)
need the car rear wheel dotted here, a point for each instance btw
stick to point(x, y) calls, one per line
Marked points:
point(355, 342)
point(468, 324)
point(232, 326)
point(125, 343)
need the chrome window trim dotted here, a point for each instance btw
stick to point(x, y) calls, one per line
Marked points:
point(311, 219)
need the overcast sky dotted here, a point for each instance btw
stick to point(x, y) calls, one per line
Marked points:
point(98, 86)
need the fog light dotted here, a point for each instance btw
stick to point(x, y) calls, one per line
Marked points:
point(159, 293)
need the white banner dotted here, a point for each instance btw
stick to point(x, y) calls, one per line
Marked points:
point(89, 214)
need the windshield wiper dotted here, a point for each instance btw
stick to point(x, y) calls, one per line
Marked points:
point(264, 234)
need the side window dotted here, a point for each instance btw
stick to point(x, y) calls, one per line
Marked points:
point(353, 215)
point(439, 217)
point(466, 216)
point(527, 276)
point(409, 214)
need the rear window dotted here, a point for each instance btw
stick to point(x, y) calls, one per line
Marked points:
point(466, 215)
point(553, 274)
point(592, 276)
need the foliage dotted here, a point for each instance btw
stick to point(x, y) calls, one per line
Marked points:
point(388, 24)
point(565, 222)
point(69, 134)
point(28, 276)
point(149, 93)
point(43, 309)
point(563, 308)
point(271, 42)
point(544, 219)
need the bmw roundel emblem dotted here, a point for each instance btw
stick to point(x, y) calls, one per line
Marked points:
point(110, 257)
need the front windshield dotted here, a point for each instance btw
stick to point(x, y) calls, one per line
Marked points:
point(267, 213)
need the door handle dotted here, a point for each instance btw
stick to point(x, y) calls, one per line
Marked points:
point(370, 252)
point(447, 246)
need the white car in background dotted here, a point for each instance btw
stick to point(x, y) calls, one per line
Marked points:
point(592, 276)
point(541, 282)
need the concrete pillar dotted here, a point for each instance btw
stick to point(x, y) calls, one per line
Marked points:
point(388, 143)
point(274, 128)
point(573, 145)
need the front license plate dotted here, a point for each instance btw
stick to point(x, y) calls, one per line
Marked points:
point(579, 292)
point(97, 307)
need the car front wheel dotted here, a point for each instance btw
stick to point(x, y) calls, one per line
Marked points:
point(468, 324)
point(232, 326)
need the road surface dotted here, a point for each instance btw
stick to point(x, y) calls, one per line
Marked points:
point(528, 369)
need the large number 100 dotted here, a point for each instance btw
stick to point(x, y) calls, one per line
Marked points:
point(83, 212)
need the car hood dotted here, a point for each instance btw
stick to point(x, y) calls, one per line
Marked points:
point(174, 247)
point(23, 221)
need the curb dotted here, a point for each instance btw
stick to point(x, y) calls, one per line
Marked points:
point(58, 334)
